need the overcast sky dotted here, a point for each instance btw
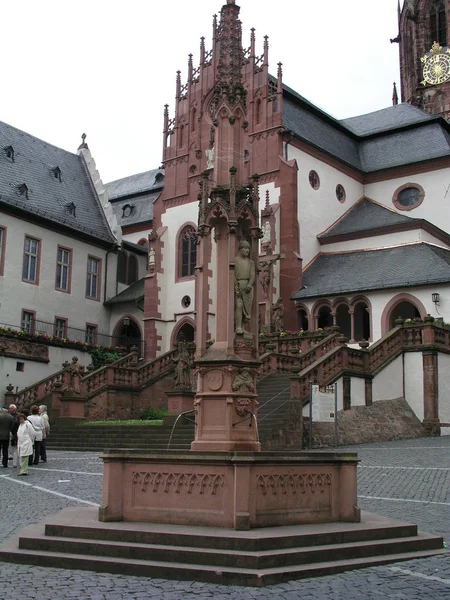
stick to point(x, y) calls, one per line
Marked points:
point(107, 67)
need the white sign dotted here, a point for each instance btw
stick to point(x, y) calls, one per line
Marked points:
point(323, 407)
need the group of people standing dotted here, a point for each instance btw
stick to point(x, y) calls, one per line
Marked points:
point(23, 435)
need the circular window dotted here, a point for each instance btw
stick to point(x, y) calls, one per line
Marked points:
point(314, 180)
point(408, 196)
point(340, 193)
point(186, 302)
point(127, 210)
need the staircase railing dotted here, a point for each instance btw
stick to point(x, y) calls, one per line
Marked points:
point(37, 392)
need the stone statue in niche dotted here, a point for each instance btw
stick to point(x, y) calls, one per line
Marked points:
point(277, 314)
point(243, 381)
point(182, 360)
point(209, 152)
point(74, 371)
point(151, 258)
point(245, 275)
point(266, 233)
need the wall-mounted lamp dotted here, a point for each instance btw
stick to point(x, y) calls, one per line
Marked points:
point(126, 321)
point(435, 298)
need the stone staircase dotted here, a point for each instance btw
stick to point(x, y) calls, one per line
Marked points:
point(75, 539)
point(274, 416)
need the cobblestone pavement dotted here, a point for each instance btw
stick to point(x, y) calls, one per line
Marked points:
point(408, 480)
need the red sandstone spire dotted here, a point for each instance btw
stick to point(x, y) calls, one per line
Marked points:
point(229, 67)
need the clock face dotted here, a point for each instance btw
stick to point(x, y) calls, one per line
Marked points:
point(436, 69)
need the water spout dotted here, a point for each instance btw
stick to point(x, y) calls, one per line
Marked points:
point(186, 412)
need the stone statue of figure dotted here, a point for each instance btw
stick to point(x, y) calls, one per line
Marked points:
point(245, 275)
point(73, 369)
point(277, 314)
point(209, 158)
point(243, 381)
point(183, 368)
point(151, 258)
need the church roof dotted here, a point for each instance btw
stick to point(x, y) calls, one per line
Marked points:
point(367, 270)
point(392, 117)
point(132, 293)
point(395, 136)
point(364, 216)
point(141, 183)
point(50, 184)
point(138, 192)
point(140, 209)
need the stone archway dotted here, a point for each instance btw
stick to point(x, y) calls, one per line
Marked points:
point(128, 334)
point(185, 332)
point(405, 306)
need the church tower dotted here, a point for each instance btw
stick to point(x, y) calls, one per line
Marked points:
point(424, 54)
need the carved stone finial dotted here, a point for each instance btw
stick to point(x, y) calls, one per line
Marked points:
point(83, 142)
point(394, 95)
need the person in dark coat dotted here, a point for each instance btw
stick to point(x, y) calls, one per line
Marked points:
point(6, 427)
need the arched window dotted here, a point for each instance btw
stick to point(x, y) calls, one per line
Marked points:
point(344, 321)
point(361, 317)
point(302, 319)
point(324, 317)
point(132, 269)
point(258, 112)
point(438, 23)
point(122, 267)
point(187, 252)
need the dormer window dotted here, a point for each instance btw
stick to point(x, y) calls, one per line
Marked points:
point(127, 210)
point(23, 190)
point(9, 151)
point(71, 209)
point(159, 178)
point(56, 173)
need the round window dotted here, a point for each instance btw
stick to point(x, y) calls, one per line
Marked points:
point(340, 193)
point(185, 302)
point(314, 180)
point(408, 196)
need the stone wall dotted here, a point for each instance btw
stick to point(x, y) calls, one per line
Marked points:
point(384, 420)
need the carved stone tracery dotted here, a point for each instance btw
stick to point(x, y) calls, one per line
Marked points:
point(157, 482)
point(296, 483)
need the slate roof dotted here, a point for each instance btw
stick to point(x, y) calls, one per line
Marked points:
point(364, 216)
point(139, 191)
point(385, 268)
point(385, 119)
point(133, 293)
point(141, 209)
point(137, 248)
point(136, 184)
point(48, 197)
point(319, 129)
point(395, 136)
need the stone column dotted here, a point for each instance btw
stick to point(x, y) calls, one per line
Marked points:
point(430, 392)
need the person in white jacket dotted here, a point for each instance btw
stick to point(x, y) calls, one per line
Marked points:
point(25, 441)
point(38, 426)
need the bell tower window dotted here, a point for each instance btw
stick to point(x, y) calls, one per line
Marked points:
point(438, 23)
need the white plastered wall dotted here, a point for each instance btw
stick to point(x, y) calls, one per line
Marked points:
point(436, 203)
point(319, 209)
point(414, 382)
point(16, 295)
point(173, 290)
point(388, 384)
point(36, 371)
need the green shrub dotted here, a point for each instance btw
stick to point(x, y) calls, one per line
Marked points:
point(153, 414)
point(99, 356)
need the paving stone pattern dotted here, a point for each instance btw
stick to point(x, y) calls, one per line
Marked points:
point(407, 480)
